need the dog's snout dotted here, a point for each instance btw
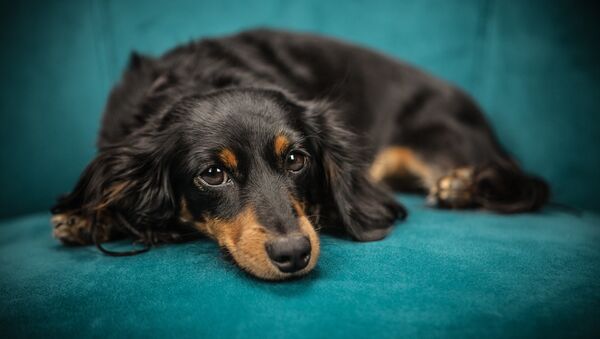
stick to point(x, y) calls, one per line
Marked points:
point(289, 254)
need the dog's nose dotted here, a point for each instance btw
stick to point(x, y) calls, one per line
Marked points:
point(290, 254)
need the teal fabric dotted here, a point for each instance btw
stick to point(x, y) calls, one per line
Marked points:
point(533, 65)
point(439, 274)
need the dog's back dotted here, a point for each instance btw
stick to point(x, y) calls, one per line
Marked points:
point(367, 88)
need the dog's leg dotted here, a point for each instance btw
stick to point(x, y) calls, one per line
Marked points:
point(500, 187)
point(446, 143)
point(403, 169)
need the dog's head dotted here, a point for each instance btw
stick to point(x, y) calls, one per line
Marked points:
point(252, 169)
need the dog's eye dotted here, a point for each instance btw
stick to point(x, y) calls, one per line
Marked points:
point(214, 176)
point(295, 161)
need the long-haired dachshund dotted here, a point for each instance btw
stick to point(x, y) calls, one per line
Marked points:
point(261, 138)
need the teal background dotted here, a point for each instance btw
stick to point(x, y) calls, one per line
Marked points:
point(534, 66)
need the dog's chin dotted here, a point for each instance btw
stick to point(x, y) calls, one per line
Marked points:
point(250, 254)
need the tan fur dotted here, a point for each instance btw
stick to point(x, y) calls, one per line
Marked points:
point(281, 144)
point(75, 230)
point(184, 213)
point(245, 238)
point(72, 228)
point(298, 206)
point(399, 162)
point(228, 158)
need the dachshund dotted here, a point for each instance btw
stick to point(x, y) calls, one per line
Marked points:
point(260, 139)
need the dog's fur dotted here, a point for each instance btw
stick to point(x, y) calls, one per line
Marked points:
point(360, 120)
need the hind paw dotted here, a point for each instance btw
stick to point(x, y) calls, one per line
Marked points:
point(455, 190)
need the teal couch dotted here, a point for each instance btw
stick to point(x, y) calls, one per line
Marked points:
point(534, 67)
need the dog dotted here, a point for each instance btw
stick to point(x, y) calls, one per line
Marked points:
point(260, 139)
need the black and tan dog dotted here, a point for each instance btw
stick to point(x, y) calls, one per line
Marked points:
point(260, 138)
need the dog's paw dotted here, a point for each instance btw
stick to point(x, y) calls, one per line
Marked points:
point(455, 190)
point(71, 229)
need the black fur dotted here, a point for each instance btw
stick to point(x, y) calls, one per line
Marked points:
point(338, 103)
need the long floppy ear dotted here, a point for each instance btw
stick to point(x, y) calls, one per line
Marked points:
point(132, 178)
point(366, 210)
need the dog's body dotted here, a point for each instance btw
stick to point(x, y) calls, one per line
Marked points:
point(182, 137)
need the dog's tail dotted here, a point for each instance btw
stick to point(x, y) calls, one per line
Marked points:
point(507, 189)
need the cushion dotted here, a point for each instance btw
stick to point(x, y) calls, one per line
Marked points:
point(439, 273)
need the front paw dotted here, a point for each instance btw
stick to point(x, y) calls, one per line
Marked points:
point(72, 229)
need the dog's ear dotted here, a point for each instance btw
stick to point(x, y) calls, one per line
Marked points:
point(348, 197)
point(132, 178)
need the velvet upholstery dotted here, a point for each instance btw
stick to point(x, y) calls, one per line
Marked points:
point(439, 274)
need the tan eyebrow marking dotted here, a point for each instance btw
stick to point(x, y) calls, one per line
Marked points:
point(281, 145)
point(228, 157)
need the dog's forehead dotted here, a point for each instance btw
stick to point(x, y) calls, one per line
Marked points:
point(246, 120)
